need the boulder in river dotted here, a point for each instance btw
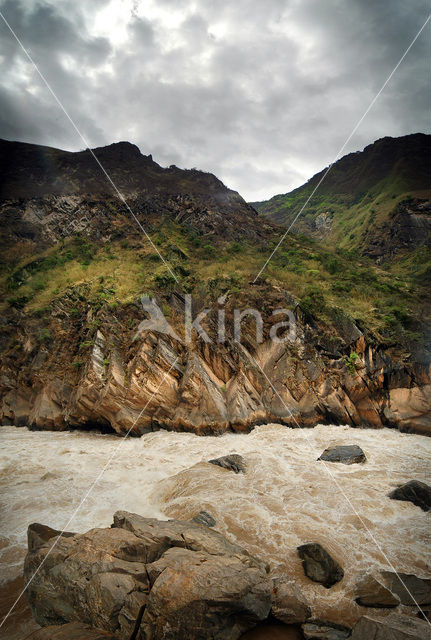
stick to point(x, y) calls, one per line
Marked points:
point(319, 630)
point(413, 491)
point(370, 592)
point(318, 565)
point(393, 627)
point(205, 518)
point(158, 579)
point(70, 631)
point(288, 603)
point(347, 454)
point(233, 462)
point(411, 589)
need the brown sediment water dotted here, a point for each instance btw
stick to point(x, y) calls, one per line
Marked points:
point(286, 498)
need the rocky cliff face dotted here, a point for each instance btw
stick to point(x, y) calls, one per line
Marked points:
point(85, 359)
point(407, 228)
point(141, 380)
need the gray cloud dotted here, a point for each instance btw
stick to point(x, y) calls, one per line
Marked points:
point(263, 94)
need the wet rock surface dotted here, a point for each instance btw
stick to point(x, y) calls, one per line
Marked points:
point(233, 462)
point(158, 579)
point(371, 592)
point(203, 517)
point(347, 454)
point(392, 627)
point(318, 565)
point(414, 491)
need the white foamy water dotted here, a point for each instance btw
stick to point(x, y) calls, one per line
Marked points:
point(286, 498)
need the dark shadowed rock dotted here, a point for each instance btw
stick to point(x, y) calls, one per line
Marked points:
point(232, 462)
point(370, 592)
point(71, 631)
point(409, 588)
point(392, 627)
point(203, 517)
point(318, 630)
point(288, 603)
point(413, 491)
point(318, 564)
point(166, 580)
point(347, 454)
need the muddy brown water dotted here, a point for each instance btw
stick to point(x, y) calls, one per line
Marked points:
point(286, 498)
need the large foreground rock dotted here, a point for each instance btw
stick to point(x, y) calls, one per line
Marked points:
point(392, 627)
point(164, 580)
point(318, 564)
point(414, 491)
point(70, 631)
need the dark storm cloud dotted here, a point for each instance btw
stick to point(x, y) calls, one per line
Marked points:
point(261, 93)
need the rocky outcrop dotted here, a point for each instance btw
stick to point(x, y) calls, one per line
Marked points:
point(318, 564)
point(347, 454)
point(137, 382)
point(154, 579)
point(408, 227)
point(393, 626)
point(413, 491)
point(319, 630)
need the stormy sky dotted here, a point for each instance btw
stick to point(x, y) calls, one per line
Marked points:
point(262, 93)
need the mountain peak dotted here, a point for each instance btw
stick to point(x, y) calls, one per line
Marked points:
point(121, 149)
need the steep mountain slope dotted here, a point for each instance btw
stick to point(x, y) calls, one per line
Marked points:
point(362, 195)
point(75, 348)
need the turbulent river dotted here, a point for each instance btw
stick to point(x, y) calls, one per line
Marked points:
point(286, 498)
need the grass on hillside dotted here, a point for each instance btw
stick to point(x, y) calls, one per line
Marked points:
point(383, 303)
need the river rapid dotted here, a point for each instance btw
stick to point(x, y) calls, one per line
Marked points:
point(285, 499)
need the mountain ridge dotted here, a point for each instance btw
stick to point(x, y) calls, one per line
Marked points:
point(360, 192)
point(50, 170)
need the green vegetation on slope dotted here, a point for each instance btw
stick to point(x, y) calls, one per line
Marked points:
point(359, 193)
point(384, 304)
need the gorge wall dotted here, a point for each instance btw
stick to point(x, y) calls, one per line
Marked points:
point(75, 347)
